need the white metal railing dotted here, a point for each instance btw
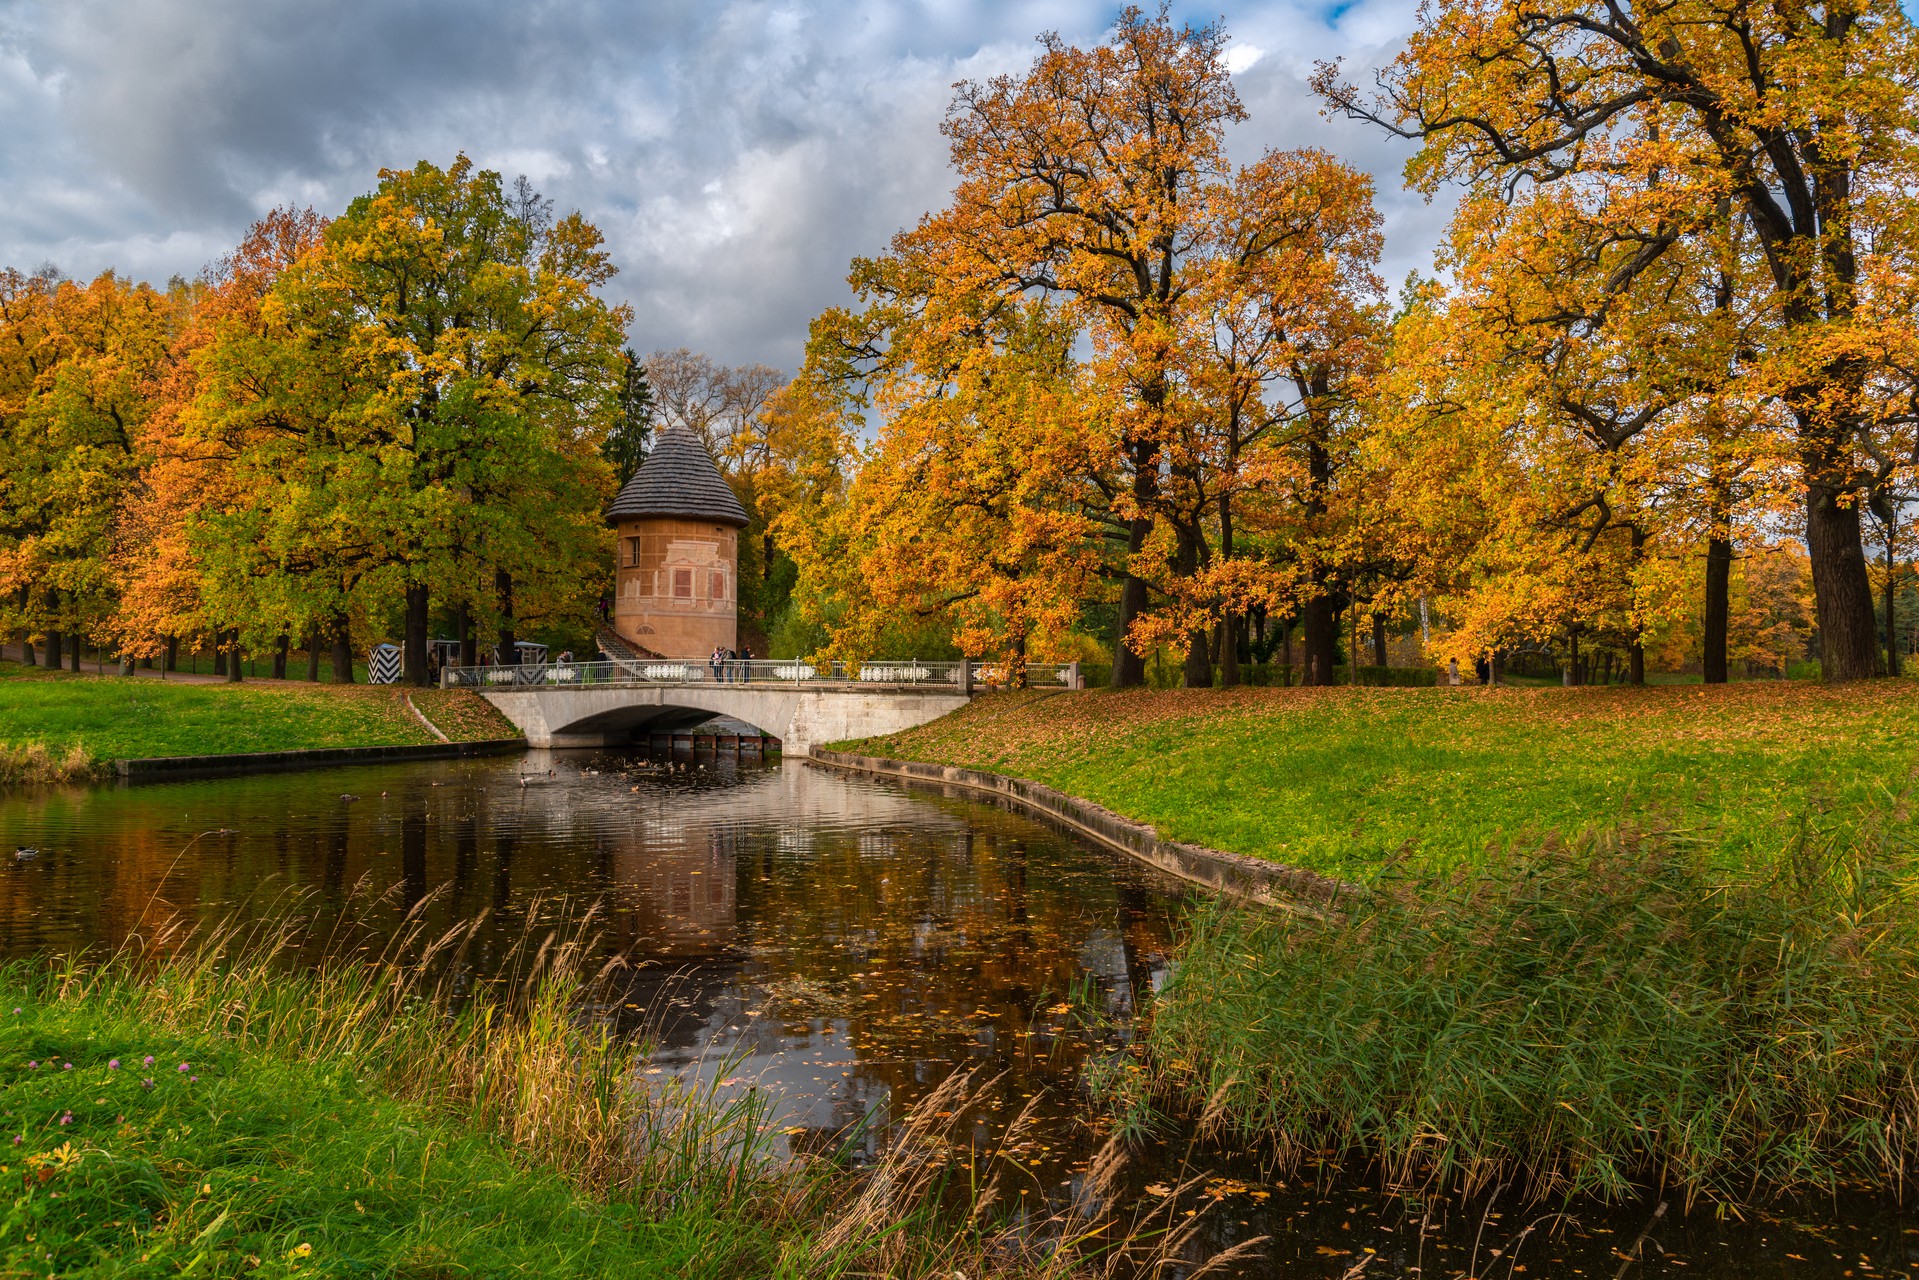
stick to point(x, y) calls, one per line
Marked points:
point(932, 677)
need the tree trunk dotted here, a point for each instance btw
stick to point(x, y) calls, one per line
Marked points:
point(503, 587)
point(1718, 607)
point(172, 661)
point(233, 656)
point(1352, 648)
point(1129, 668)
point(469, 644)
point(56, 647)
point(1319, 640)
point(1379, 640)
point(1841, 589)
point(342, 649)
point(26, 632)
point(1572, 656)
point(280, 647)
point(414, 655)
point(313, 655)
point(1230, 625)
point(219, 654)
point(73, 655)
point(1286, 650)
point(1199, 642)
point(1636, 652)
point(1892, 591)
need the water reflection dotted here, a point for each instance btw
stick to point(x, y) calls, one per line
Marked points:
point(845, 945)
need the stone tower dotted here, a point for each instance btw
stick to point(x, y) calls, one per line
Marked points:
point(676, 587)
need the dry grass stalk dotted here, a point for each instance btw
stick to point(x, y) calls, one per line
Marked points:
point(35, 764)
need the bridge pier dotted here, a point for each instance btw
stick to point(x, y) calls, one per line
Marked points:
point(801, 717)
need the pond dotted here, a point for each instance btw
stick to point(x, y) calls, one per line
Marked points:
point(844, 944)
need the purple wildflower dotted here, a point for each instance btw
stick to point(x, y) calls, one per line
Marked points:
point(181, 1067)
point(146, 1084)
point(67, 1067)
point(113, 1064)
point(33, 1066)
point(147, 1061)
point(67, 1118)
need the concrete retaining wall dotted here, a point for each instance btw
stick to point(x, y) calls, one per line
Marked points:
point(1253, 879)
point(159, 767)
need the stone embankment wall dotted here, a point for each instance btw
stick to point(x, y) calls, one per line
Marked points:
point(1234, 874)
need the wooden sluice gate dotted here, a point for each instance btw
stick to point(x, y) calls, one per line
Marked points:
point(737, 746)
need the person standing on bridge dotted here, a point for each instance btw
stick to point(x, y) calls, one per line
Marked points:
point(746, 663)
point(714, 662)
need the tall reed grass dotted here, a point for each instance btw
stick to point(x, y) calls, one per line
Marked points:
point(1577, 1020)
point(33, 763)
point(522, 1060)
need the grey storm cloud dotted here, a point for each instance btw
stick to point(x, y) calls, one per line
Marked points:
point(736, 155)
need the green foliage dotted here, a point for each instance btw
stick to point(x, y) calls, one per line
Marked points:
point(795, 635)
point(627, 437)
point(1578, 1020)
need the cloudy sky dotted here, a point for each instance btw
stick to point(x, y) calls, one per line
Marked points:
point(736, 153)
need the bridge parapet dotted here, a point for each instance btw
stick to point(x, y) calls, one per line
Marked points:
point(908, 676)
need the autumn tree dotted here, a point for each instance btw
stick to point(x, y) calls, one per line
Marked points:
point(170, 542)
point(1800, 117)
point(972, 509)
point(77, 366)
point(1216, 306)
point(435, 408)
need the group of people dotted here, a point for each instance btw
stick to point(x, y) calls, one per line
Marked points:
point(729, 665)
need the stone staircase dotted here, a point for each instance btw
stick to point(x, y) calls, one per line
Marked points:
point(616, 648)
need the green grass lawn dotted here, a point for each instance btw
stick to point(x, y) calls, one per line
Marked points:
point(248, 1164)
point(1341, 780)
point(113, 717)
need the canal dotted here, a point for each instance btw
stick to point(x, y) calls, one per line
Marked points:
point(845, 945)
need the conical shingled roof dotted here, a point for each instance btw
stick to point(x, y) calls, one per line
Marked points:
point(678, 479)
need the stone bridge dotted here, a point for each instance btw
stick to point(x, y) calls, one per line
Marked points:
point(801, 717)
point(603, 704)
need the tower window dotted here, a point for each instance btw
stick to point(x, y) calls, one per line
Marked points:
point(682, 584)
point(716, 586)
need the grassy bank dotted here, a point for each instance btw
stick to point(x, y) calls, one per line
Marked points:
point(111, 717)
point(204, 1110)
point(162, 1152)
point(1345, 781)
point(1629, 1011)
